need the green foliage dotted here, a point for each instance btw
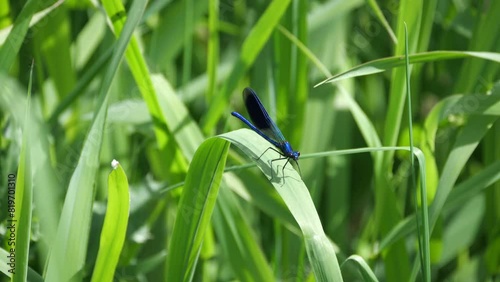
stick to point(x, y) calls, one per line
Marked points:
point(152, 84)
point(114, 225)
point(195, 209)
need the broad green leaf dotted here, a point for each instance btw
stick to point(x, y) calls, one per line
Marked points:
point(195, 208)
point(115, 225)
point(296, 196)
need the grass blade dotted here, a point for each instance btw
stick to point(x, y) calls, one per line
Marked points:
point(115, 225)
point(296, 196)
point(423, 234)
point(195, 208)
point(23, 204)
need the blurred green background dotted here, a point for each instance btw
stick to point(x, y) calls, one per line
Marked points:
point(146, 82)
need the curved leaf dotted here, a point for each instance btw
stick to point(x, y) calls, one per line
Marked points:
point(296, 196)
point(195, 208)
point(115, 226)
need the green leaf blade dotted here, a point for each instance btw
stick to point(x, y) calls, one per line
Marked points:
point(195, 208)
point(115, 226)
point(296, 196)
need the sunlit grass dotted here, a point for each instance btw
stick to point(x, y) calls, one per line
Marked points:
point(152, 84)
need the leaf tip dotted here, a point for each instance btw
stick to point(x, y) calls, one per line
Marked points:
point(115, 164)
